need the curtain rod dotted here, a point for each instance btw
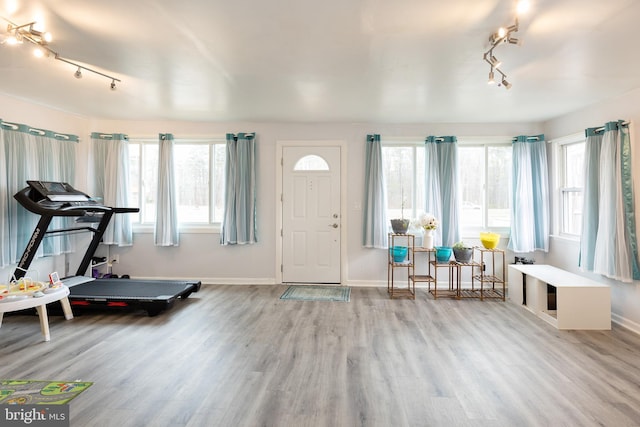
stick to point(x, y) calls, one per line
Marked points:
point(13, 126)
point(601, 128)
point(42, 132)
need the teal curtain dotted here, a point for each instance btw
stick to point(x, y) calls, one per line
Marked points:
point(609, 248)
point(374, 223)
point(239, 216)
point(166, 227)
point(442, 187)
point(530, 195)
point(27, 153)
point(111, 166)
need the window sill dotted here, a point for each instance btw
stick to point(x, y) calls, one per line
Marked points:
point(184, 229)
point(566, 238)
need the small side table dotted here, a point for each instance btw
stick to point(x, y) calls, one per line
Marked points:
point(466, 292)
point(408, 264)
point(494, 276)
point(40, 304)
point(454, 282)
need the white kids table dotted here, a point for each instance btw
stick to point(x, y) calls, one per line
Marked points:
point(40, 303)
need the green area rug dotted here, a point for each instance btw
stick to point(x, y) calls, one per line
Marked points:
point(317, 293)
point(22, 392)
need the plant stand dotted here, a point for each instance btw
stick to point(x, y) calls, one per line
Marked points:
point(408, 264)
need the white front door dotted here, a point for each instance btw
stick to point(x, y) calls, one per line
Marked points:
point(311, 215)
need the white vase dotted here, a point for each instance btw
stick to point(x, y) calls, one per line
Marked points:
point(427, 240)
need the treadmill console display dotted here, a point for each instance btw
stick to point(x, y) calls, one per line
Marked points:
point(57, 191)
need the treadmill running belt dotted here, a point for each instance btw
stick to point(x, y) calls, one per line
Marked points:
point(131, 289)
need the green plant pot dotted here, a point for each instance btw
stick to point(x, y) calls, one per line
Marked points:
point(400, 226)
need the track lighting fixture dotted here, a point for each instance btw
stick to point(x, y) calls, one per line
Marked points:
point(515, 41)
point(492, 78)
point(44, 37)
point(503, 79)
point(504, 35)
point(494, 61)
point(17, 34)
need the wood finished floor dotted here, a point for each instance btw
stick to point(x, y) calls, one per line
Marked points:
point(240, 356)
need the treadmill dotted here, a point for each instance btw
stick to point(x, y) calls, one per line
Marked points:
point(51, 199)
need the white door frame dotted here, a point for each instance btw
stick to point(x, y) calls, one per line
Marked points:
point(280, 145)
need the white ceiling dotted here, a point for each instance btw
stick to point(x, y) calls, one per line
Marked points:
point(404, 61)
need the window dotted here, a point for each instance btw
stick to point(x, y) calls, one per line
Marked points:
point(404, 179)
point(199, 168)
point(311, 163)
point(484, 178)
point(485, 183)
point(571, 181)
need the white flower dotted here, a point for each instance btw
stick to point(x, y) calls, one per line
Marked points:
point(428, 221)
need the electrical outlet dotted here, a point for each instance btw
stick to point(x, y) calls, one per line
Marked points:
point(115, 259)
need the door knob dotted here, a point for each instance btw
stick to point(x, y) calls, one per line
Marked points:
point(334, 225)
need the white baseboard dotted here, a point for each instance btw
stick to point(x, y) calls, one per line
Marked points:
point(366, 283)
point(216, 280)
point(625, 323)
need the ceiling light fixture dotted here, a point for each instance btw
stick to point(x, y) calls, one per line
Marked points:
point(26, 31)
point(492, 78)
point(504, 35)
point(493, 61)
point(18, 33)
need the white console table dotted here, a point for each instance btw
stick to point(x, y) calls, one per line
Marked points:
point(581, 303)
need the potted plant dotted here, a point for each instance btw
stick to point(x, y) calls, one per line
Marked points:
point(462, 252)
point(400, 225)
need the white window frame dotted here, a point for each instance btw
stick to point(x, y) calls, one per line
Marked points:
point(415, 144)
point(485, 142)
point(559, 145)
point(210, 227)
point(474, 141)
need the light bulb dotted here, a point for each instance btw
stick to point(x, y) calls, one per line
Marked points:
point(78, 73)
point(523, 7)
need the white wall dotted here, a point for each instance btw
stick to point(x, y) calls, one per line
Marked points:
point(199, 256)
point(625, 298)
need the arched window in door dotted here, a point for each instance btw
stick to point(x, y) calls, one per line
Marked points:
point(311, 162)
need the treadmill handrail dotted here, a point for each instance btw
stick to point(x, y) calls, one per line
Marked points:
point(125, 210)
point(23, 198)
